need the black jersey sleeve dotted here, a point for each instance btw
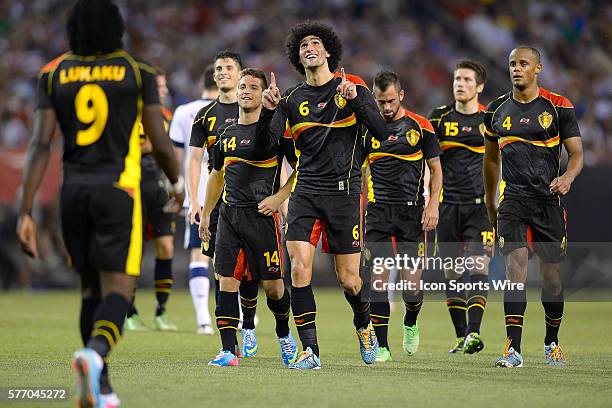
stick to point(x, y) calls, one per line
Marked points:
point(568, 125)
point(278, 124)
point(217, 156)
point(198, 134)
point(265, 137)
point(367, 112)
point(431, 147)
point(43, 99)
point(149, 84)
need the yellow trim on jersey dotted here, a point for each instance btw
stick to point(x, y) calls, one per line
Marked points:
point(298, 152)
point(502, 187)
point(371, 197)
point(407, 157)
point(506, 140)
point(449, 145)
point(300, 127)
point(269, 163)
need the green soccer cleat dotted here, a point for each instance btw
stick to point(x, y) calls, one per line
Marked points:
point(473, 343)
point(411, 339)
point(135, 323)
point(554, 355)
point(161, 323)
point(458, 348)
point(383, 355)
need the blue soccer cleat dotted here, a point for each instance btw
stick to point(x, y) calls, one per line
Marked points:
point(224, 359)
point(87, 366)
point(306, 361)
point(288, 349)
point(249, 343)
point(109, 401)
point(368, 344)
point(511, 358)
point(554, 355)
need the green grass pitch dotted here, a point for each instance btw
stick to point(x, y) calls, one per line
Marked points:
point(38, 333)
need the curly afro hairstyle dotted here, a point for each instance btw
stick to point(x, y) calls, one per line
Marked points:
point(330, 40)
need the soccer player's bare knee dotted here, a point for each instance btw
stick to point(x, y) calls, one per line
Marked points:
point(347, 272)
point(414, 277)
point(550, 277)
point(117, 282)
point(229, 284)
point(198, 256)
point(516, 265)
point(164, 247)
point(301, 255)
point(450, 274)
point(275, 289)
point(480, 265)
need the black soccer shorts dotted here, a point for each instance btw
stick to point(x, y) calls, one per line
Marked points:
point(248, 244)
point(464, 230)
point(393, 229)
point(102, 228)
point(537, 225)
point(333, 218)
point(157, 222)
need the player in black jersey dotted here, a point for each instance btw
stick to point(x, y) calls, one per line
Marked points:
point(246, 169)
point(397, 219)
point(159, 223)
point(464, 229)
point(324, 117)
point(98, 94)
point(222, 111)
point(528, 125)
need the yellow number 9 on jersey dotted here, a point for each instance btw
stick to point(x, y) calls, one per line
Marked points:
point(91, 107)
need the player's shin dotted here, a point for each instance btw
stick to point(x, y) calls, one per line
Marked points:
point(553, 313)
point(412, 303)
point(515, 303)
point(304, 314)
point(227, 319)
point(380, 312)
point(248, 302)
point(281, 308)
point(108, 323)
point(477, 300)
point(457, 305)
point(163, 283)
point(199, 286)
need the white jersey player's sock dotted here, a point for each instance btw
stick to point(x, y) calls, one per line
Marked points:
point(199, 286)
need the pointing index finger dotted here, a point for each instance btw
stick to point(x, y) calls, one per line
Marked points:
point(343, 74)
point(272, 80)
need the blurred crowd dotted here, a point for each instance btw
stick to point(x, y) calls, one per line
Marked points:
point(422, 40)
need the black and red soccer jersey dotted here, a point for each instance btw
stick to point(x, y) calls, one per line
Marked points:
point(327, 133)
point(251, 158)
point(397, 160)
point(461, 139)
point(530, 137)
point(207, 123)
point(150, 169)
point(98, 102)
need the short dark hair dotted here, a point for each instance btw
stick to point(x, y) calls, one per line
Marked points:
point(94, 27)
point(534, 51)
point(257, 73)
point(207, 80)
point(386, 77)
point(479, 70)
point(330, 40)
point(227, 53)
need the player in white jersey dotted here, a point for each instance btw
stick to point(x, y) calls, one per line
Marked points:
point(180, 132)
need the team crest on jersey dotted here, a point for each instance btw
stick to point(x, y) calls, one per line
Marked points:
point(545, 119)
point(340, 101)
point(482, 129)
point(501, 241)
point(413, 137)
